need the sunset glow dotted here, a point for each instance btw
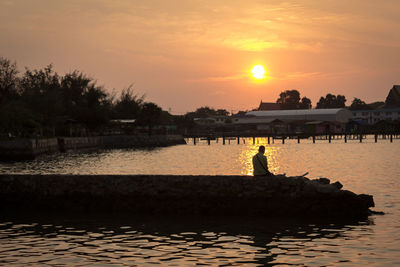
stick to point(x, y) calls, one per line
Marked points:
point(203, 49)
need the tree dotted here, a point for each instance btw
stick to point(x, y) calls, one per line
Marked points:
point(358, 104)
point(222, 112)
point(40, 91)
point(290, 99)
point(331, 101)
point(96, 108)
point(8, 80)
point(206, 111)
point(128, 105)
point(149, 115)
point(305, 103)
point(84, 101)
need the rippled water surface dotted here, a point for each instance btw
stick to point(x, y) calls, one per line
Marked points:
point(125, 239)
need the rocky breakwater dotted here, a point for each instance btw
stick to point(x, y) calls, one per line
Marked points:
point(169, 194)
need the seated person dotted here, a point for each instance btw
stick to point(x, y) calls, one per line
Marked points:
point(260, 164)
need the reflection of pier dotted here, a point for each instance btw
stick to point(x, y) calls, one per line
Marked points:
point(241, 138)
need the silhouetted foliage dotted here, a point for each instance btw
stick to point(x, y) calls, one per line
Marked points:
point(305, 103)
point(128, 105)
point(358, 104)
point(8, 80)
point(184, 122)
point(41, 100)
point(204, 112)
point(41, 93)
point(290, 99)
point(150, 115)
point(331, 101)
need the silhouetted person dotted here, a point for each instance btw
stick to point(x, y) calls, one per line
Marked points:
point(260, 164)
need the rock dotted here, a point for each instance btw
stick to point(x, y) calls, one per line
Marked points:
point(322, 180)
point(338, 185)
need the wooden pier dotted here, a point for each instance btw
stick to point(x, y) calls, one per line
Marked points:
point(270, 139)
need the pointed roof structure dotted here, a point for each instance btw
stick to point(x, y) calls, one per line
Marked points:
point(393, 98)
point(269, 106)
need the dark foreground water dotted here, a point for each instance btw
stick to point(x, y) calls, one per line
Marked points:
point(131, 240)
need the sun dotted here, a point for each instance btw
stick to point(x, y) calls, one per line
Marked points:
point(258, 72)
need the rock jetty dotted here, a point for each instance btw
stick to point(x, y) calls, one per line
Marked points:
point(182, 194)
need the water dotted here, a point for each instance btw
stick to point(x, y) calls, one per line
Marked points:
point(111, 240)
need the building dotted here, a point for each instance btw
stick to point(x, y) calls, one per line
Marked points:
point(212, 120)
point(393, 98)
point(376, 115)
point(340, 115)
point(269, 106)
point(296, 121)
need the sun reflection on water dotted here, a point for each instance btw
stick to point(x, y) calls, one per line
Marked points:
point(272, 153)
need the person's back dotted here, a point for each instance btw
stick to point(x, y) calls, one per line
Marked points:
point(260, 164)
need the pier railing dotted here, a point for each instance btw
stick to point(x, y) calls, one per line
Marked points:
point(227, 138)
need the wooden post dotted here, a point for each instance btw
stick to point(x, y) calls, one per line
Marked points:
point(194, 140)
point(298, 139)
point(269, 141)
point(244, 140)
point(238, 140)
point(208, 140)
point(283, 139)
point(313, 139)
point(345, 138)
point(376, 138)
point(391, 138)
point(361, 137)
point(330, 138)
point(223, 140)
point(254, 140)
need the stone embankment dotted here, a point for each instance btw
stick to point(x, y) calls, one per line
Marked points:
point(168, 194)
point(31, 148)
point(27, 148)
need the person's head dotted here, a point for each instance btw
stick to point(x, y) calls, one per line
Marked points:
point(261, 149)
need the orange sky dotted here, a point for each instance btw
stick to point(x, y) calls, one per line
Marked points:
point(187, 54)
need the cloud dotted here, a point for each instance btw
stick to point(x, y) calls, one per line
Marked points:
point(219, 78)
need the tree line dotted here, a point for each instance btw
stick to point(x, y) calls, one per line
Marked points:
point(39, 101)
point(290, 99)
